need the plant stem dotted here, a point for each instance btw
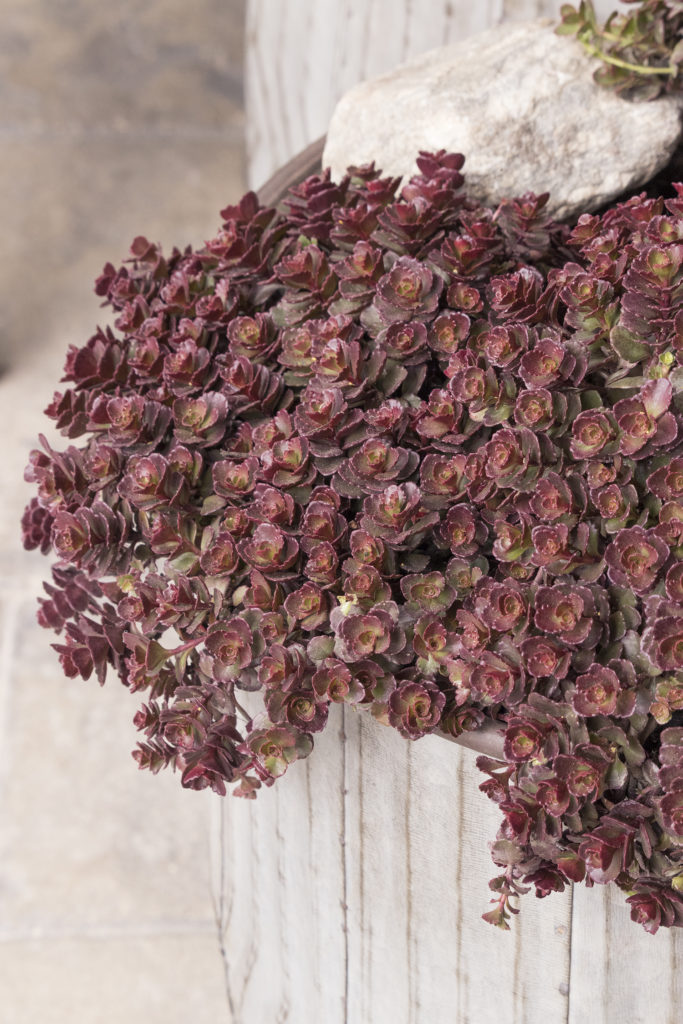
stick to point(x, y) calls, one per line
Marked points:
point(247, 717)
point(187, 647)
point(640, 69)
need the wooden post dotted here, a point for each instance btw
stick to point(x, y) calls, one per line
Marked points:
point(302, 55)
point(351, 892)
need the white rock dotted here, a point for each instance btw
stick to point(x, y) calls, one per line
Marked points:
point(520, 103)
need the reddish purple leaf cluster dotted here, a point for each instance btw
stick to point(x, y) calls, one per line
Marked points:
point(406, 453)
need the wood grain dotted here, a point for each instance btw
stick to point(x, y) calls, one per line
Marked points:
point(351, 892)
point(618, 971)
point(279, 885)
point(302, 55)
point(418, 834)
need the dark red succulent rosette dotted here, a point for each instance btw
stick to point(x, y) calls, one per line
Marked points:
point(396, 451)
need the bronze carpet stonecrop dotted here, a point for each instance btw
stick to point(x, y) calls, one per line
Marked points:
point(402, 452)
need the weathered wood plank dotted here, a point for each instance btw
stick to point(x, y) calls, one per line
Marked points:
point(618, 971)
point(352, 891)
point(279, 893)
point(301, 56)
point(418, 869)
point(387, 928)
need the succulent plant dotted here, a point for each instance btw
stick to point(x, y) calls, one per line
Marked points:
point(399, 451)
point(641, 52)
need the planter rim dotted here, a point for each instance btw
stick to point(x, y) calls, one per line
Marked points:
point(296, 170)
point(488, 739)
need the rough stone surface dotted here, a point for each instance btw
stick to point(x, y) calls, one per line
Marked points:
point(520, 103)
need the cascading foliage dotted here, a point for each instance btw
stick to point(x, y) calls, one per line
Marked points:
point(406, 453)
